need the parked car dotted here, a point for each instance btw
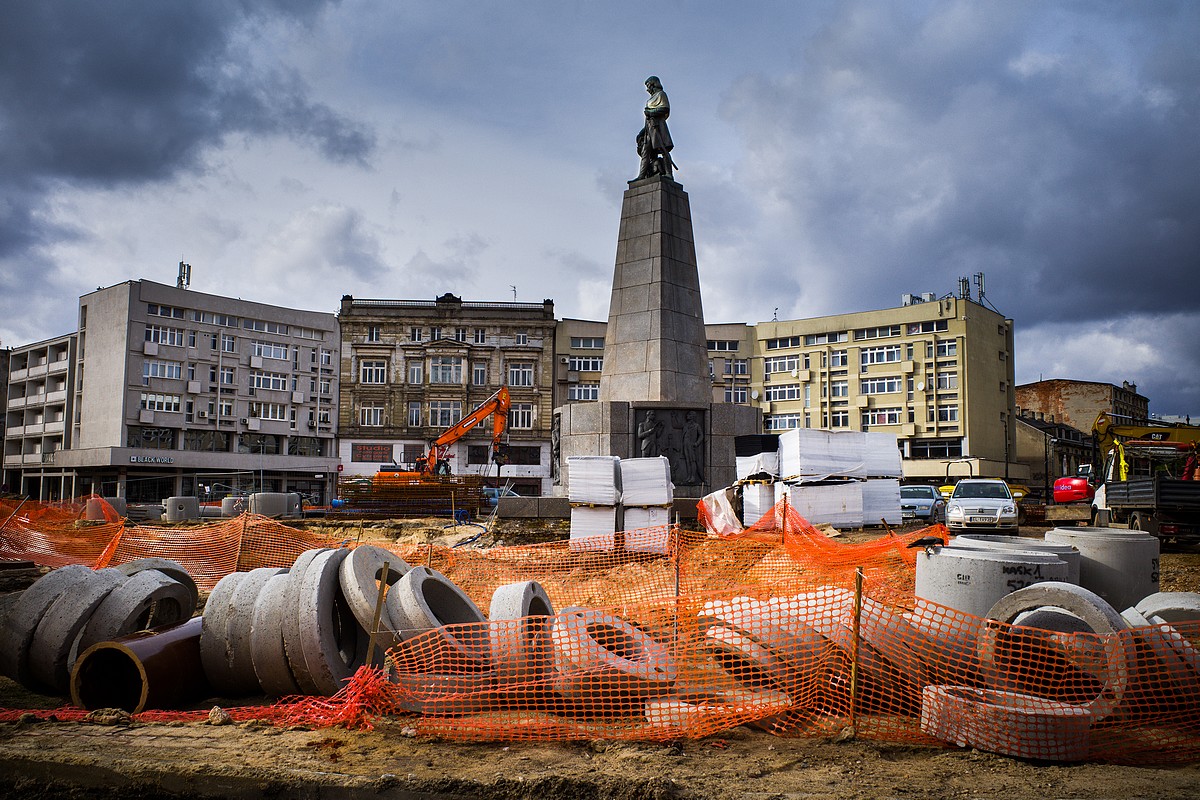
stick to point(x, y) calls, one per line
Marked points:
point(492, 495)
point(981, 503)
point(923, 503)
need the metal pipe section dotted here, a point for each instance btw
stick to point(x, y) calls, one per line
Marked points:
point(158, 668)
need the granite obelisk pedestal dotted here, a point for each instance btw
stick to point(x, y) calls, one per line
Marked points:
point(656, 396)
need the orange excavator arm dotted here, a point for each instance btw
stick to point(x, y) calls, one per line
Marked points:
point(496, 406)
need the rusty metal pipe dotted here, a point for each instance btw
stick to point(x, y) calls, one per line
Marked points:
point(158, 668)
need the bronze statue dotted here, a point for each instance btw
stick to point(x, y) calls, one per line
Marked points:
point(654, 143)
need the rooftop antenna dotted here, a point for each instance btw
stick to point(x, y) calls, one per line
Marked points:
point(964, 288)
point(514, 291)
point(775, 318)
point(979, 285)
point(185, 276)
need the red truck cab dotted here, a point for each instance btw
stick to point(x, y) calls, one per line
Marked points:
point(1073, 490)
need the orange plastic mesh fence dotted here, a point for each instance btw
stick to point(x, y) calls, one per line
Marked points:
point(765, 628)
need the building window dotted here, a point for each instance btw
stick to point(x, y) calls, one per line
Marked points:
point(414, 334)
point(155, 310)
point(587, 342)
point(583, 391)
point(274, 381)
point(824, 338)
point(839, 389)
point(947, 380)
point(191, 336)
point(370, 416)
point(446, 370)
point(582, 364)
point(416, 373)
point(880, 355)
point(372, 372)
point(781, 422)
point(946, 349)
point(229, 376)
point(886, 385)
point(735, 394)
point(444, 413)
point(265, 327)
point(326, 358)
point(839, 358)
point(881, 332)
point(790, 391)
point(881, 416)
point(160, 402)
point(161, 369)
point(935, 448)
point(947, 413)
point(785, 342)
point(929, 326)
point(480, 336)
point(372, 333)
point(460, 334)
point(722, 345)
point(780, 364)
point(479, 373)
point(161, 335)
point(520, 416)
point(229, 345)
point(414, 413)
point(737, 366)
point(435, 334)
point(522, 338)
point(520, 373)
point(279, 352)
point(273, 411)
point(839, 419)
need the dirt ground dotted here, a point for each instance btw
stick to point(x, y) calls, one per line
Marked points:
point(252, 759)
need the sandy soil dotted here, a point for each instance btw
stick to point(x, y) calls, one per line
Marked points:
point(251, 759)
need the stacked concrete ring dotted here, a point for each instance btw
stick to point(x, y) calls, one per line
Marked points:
point(291, 621)
point(214, 651)
point(21, 622)
point(361, 574)
point(602, 659)
point(242, 603)
point(424, 600)
point(53, 651)
point(166, 566)
point(518, 636)
point(147, 599)
point(333, 643)
point(266, 639)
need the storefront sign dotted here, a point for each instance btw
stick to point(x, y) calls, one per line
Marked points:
point(371, 452)
point(151, 460)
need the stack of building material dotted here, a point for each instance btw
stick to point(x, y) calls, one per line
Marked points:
point(807, 455)
point(881, 456)
point(757, 456)
point(646, 497)
point(595, 492)
point(881, 501)
point(837, 503)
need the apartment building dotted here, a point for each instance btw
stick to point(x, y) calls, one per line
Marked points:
point(165, 391)
point(1078, 403)
point(410, 369)
point(936, 372)
point(37, 407)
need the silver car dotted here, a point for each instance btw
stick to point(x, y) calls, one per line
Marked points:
point(981, 503)
point(923, 503)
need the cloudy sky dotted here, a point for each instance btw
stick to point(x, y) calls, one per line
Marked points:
point(837, 155)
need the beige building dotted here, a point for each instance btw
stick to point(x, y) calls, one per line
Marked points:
point(172, 392)
point(1078, 403)
point(413, 368)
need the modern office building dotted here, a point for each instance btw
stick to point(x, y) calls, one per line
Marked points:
point(164, 391)
point(411, 369)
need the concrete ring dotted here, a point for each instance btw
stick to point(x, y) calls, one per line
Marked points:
point(728, 708)
point(239, 623)
point(145, 600)
point(166, 566)
point(1169, 646)
point(1111, 668)
point(602, 657)
point(518, 635)
point(425, 599)
point(291, 621)
point(798, 647)
point(214, 650)
point(21, 621)
point(360, 575)
point(54, 648)
point(266, 639)
point(1171, 606)
point(434, 694)
point(1010, 723)
point(333, 643)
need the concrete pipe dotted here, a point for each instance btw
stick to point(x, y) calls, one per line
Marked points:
point(1066, 552)
point(270, 504)
point(518, 636)
point(1172, 650)
point(238, 625)
point(1109, 662)
point(148, 599)
point(425, 599)
point(973, 580)
point(23, 617)
point(361, 574)
point(181, 509)
point(158, 668)
point(603, 660)
point(266, 639)
point(214, 649)
point(1009, 723)
point(333, 643)
point(53, 650)
point(1120, 566)
point(730, 708)
point(234, 506)
point(1171, 606)
point(118, 505)
point(291, 621)
point(444, 695)
point(797, 646)
point(172, 569)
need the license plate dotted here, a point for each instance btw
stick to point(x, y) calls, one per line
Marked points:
point(908, 515)
point(981, 519)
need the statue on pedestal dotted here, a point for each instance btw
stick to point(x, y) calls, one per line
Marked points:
point(654, 143)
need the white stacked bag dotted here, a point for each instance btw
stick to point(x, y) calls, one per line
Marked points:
point(838, 504)
point(594, 492)
point(608, 495)
point(646, 497)
point(845, 478)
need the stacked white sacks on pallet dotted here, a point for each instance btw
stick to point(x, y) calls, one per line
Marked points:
point(595, 496)
point(647, 495)
point(847, 479)
point(757, 461)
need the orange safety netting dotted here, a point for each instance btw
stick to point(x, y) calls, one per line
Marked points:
point(779, 627)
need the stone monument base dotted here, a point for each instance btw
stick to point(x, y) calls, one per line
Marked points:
point(611, 428)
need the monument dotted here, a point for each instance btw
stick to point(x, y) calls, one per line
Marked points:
point(656, 396)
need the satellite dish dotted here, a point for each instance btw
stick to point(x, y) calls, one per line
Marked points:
point(921, 386)
point(754, 394)
point(795, 373)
